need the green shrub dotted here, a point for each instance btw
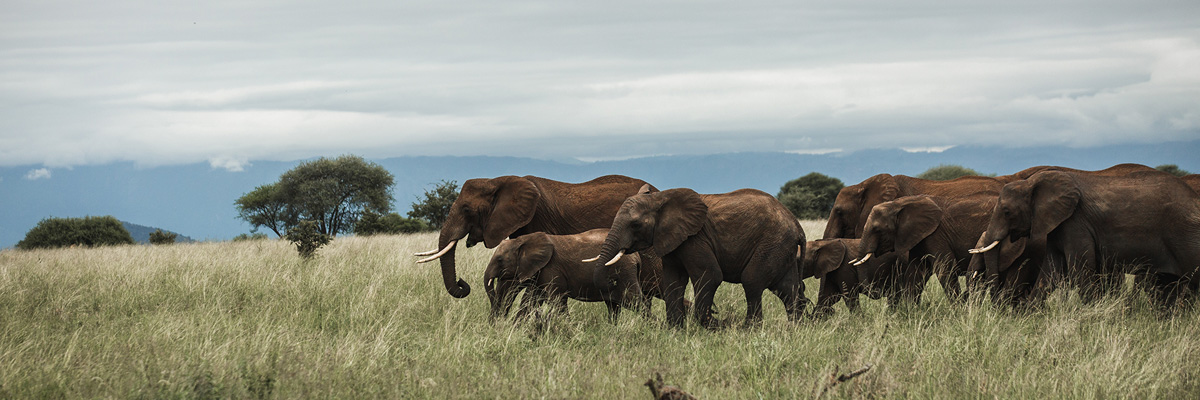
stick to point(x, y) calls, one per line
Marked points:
point(160, 236)
point(371, 223)
point(250, 236)
point(86, 231)
point(810, 196)
point(307, 238)
point(945, 172)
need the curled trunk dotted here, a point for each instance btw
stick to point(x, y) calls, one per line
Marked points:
point(456, 287)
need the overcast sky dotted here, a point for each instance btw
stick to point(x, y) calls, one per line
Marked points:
point(231, 82)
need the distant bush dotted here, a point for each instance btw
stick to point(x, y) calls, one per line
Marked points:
point(86, 231)
point(307, 238)
point(946, 172)
point(810, 196)
point(371, 223)
point(250, 236)
point(1172, 169)
point(163, 237)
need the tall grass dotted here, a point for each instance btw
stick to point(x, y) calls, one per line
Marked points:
point(253, 320)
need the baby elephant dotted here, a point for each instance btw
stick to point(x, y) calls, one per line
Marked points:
point(549, 267)
point(829, 261)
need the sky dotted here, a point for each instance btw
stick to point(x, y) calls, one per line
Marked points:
point(230, 82)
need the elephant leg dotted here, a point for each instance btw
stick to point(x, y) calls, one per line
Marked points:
point(1166, 292)
point(851, 299)
point(674, 282)
point(534, 298)
point(791, 293)
point(614, 311)
point(753, 305)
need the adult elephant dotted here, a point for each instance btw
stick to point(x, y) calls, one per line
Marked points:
point(1085, 227)
point(491, 210)
point(1116, 170)
point(853, 203)
point(745, 236)
point(1193, 181)
point(928, 235)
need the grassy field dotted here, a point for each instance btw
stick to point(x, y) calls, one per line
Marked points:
point(253, 320)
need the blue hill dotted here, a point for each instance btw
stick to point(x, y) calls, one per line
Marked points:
point(197, 200)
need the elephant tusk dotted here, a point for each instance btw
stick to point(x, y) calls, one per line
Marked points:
point(863, 260)
point(597, 257)
point(425, 253)
point(852, 261)
point(615, 258)
point(440, 253)
point(984, 249)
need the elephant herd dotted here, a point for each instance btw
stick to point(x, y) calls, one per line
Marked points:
point(622, 241)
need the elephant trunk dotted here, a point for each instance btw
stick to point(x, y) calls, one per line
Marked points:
point(489, 286)
point(833, 228)
point(614, 246)
point(456, 287)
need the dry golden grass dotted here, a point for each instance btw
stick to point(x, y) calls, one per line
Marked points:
point(252, 319)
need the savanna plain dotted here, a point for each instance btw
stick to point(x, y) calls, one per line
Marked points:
point(251, 319)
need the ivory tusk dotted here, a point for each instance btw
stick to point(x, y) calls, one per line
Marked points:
point(440, 253)
point(984, 249)
point(597, 257)
point(615, 258)
point(863, 260)
point(425, 253)
point(853, 261)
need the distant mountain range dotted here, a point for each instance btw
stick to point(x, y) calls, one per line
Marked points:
point(141, 233)
point(198, 200)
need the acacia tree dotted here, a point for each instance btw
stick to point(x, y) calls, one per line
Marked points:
point(265, 206)
point(436, 205)
point(333, 193)
point(810, 196)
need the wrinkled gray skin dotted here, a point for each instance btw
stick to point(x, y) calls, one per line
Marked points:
point(829, 261)
point(929, 235)
point(1085, 230)
point(745, 236)
point(550, 268)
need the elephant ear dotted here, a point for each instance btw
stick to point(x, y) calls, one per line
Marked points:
point(916, 220)
point(533, 255)
point(513, 206)
point(681, 214)
point(829, 257)
point(647, 189)
point(1054, 199)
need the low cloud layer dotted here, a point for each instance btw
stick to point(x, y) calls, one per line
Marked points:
point(230, 82)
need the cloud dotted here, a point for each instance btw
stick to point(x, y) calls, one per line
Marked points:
point(35, 174)
point(234, 82)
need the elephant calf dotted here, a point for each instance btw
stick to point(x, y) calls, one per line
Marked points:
point(549, 267)
point(829, 261)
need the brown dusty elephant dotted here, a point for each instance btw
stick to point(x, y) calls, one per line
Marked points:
point(549, 267)
point(829, 261)
point(929, 235)
point(491, 210)
point(853, 203)
point(1116, 170)
point(745, 236)
point(1192, 181)
point(1086, 228)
